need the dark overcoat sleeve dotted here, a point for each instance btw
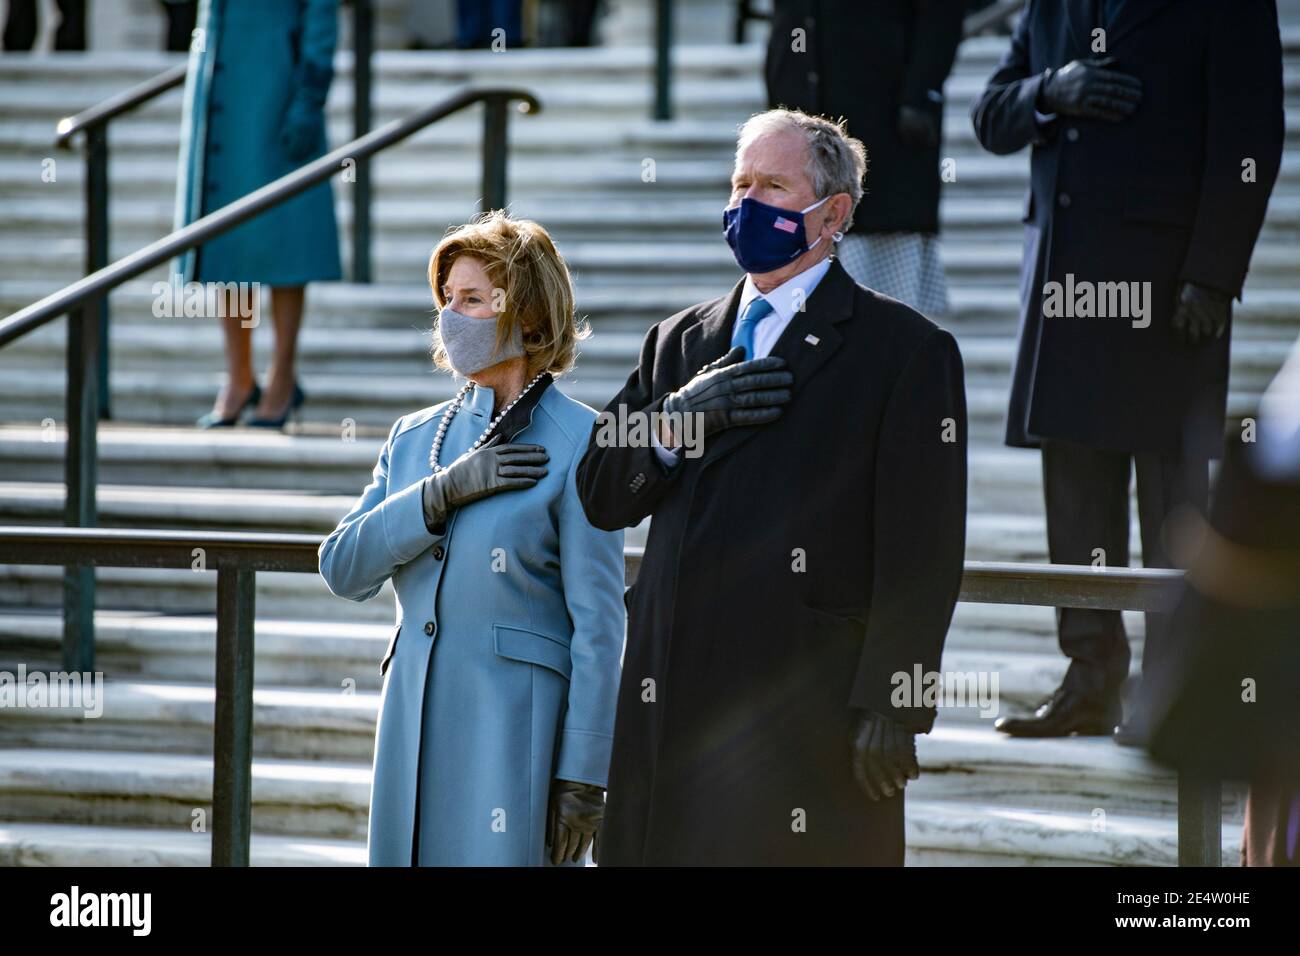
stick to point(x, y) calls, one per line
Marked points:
point(1244, 122)
point(620, 486)
point(936, 33)
point(1003, 114)
point(920, 528)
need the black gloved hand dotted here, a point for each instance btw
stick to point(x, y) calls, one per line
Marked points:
point(729, 392)
point(1088, 89)
point(476, 474)
point(884, 756)
point(573, 816)
point(917, 127)
point(1202, 313)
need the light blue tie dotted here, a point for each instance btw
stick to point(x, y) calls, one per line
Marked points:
point(758, 308)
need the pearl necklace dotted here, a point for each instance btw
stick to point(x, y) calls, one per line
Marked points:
point(454, 407)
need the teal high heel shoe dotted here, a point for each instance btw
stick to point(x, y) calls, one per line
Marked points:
point(213, 420)
point(295, 404)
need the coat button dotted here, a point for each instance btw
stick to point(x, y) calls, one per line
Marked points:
point(1063, 200)
point(438, 552)
point(1072, 135)
point(428, 628)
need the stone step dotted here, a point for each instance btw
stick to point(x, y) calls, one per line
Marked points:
point(1010, 536)
point(181, 345)
point(249, 458)
point(342, 653)
point(961, 761)
point(622, 264)
point(1000, 479)
point(982, 311)
point(335, 402)
point(945, 834)
point(72, 845)
point(963, 764)
point(938, 834)
point(138, 788)
point(399, 173)
point(327, 800)
point(139, 220)
point(305, 723)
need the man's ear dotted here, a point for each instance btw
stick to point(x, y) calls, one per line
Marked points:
point(837, 211)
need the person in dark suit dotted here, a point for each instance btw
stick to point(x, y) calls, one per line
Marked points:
point(1228, 708)
point(1157, 130)
point(805, 549)
point(881, 66)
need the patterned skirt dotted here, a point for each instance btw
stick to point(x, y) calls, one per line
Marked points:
point(903, 265)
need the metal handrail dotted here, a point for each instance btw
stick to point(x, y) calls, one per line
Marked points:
point(79, 300)
point(128, 267)
point(238, 556)
point(101, 114)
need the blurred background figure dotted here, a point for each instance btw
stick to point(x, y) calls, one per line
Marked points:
point(881, 66)
point(1228, 705)
point(1157, 135)
point(22, 25)
point(478, 23)
point(181, 16)
point(260, 71)
point(439, 24)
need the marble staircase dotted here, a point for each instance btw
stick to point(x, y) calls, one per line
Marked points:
point(124, 788)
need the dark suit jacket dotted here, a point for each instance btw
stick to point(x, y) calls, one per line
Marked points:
point(1157, 198)
point(790, 572)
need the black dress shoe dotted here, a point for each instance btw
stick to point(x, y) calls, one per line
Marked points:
point(1067, 711)
point(1131, 734)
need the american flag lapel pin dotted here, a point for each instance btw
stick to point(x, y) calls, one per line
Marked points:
point(784, 224)
point(811, 339)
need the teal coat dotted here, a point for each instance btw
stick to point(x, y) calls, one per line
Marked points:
point(245, 68)
point(510, 628)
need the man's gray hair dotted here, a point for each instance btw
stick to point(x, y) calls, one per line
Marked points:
point(837, 162)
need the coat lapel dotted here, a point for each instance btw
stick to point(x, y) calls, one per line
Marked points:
point(807, 344)
point(1082, 16)
point(710, 338)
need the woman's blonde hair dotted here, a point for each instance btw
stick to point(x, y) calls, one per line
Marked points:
point(531, 287)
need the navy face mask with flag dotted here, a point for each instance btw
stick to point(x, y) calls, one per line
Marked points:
point(763, 237)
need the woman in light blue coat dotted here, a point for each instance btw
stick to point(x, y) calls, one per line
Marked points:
point(497, 710)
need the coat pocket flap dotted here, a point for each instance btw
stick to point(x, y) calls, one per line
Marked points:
point(519, 644)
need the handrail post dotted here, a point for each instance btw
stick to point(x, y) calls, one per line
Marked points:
point(97, 242)
point(232, 745)
point(1200, 821)
point(362, 46)
point(80, 478)
point(663, 105)
point(494, 154)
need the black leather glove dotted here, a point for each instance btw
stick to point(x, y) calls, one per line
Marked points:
point(1088, 89)
point(476, 474)
point(884, 756)
point(917, 127)
point(1202, 313)
point(729, 392)
point(573, 817)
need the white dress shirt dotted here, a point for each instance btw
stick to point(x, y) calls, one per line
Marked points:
point(789, 297)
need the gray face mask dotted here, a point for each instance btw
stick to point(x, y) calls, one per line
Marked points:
point(470, 343)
